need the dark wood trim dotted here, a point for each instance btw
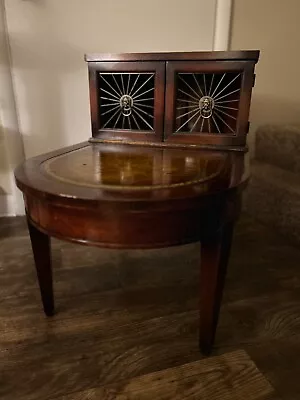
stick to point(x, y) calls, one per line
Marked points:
point(170, 145)
point(245, 100)
point(94, 101)
point(204, 55)
point(220, 142)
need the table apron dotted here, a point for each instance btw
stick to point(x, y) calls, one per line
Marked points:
point(107, 226)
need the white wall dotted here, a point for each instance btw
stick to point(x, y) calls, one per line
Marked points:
point(44, 101)
point(11, 148)
point(48, 39)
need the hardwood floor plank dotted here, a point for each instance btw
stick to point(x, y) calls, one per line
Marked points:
point(113, 362)
point(242, 321)
point(227, 377)
point(100, 350)
point(278, 360)
point(126, 314)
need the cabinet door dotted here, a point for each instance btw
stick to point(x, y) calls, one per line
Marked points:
point(208, 102)
point(127, 100)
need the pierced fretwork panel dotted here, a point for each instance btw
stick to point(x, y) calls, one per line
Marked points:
point(207, 102)
point(126, 101)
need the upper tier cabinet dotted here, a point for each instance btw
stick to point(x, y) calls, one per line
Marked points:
point(190, 98)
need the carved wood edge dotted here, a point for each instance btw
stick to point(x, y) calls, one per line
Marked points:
point(240, 149)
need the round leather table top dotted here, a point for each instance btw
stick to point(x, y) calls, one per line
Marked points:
point(106, 171)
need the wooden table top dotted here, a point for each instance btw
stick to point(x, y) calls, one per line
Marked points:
point(126, 172)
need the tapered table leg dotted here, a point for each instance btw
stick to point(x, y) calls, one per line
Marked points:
point(215, 251)
point(41, 248)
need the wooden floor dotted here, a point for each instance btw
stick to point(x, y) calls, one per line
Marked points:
point(125, 314)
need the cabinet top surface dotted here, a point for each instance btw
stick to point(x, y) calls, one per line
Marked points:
point(128, 172)
point(236, 55)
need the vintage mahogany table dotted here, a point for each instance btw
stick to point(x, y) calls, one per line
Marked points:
point(149, 178)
